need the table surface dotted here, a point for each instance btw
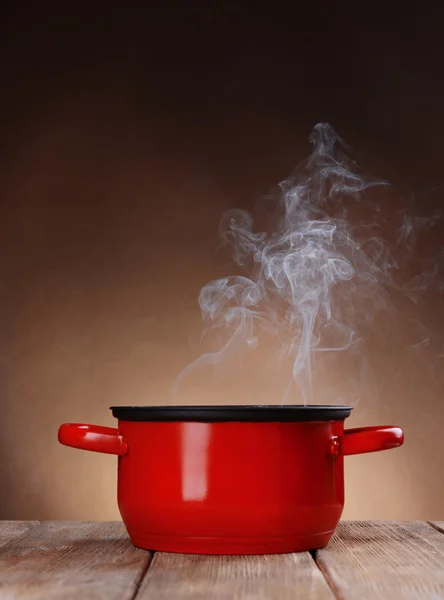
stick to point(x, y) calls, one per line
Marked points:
point(365, 559)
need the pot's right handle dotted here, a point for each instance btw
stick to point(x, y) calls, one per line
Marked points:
point(367, 439)
point(93, 437)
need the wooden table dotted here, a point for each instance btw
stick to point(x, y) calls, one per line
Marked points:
point(86, 560)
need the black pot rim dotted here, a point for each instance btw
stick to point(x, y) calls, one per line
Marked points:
point(232, 413)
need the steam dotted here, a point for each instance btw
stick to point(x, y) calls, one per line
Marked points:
point(313, 280)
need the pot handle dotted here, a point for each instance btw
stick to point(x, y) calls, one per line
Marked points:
point(93, 437)
point(367, 439)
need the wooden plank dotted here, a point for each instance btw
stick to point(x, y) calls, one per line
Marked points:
point(193, 577)
point(9, 530)
point(384, 559)
point(66, 560)
point(439, 525)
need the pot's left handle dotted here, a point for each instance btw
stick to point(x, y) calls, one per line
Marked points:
point(93, 437)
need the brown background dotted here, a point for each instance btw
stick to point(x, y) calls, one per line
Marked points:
point(123, 141)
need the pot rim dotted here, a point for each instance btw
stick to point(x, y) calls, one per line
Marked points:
point(255, 413)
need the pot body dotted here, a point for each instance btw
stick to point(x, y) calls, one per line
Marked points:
point(227, 486)
point(230, 487)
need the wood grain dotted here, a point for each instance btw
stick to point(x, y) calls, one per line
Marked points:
point(383, 559)
point(66, 560)
point(192, 577)
point(9, 530)
point(439, 525)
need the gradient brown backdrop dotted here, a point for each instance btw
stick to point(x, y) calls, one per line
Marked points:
point(124, 139)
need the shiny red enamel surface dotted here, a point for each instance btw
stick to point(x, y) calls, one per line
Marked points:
point(230, 487)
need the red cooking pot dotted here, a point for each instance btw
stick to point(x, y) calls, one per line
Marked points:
point(230, 479)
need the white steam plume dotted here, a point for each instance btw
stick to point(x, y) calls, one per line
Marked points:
point(313, 279)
